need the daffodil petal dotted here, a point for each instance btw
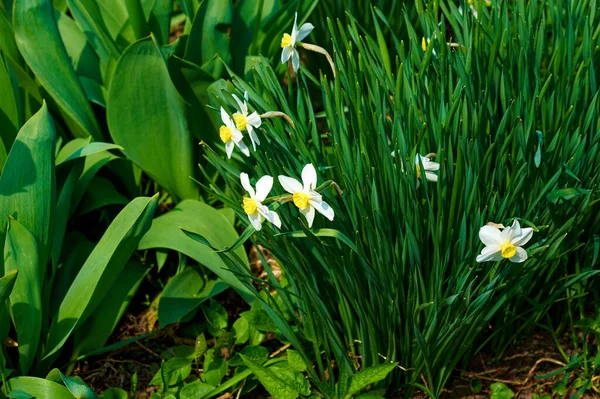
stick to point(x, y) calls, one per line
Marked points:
point(270, 215)
point(242, 146)
point(286, 53)
point(243, 106)
point(512, 231)
point(309, 177)
point(489, 254)
point(323, 208)
point(246, 184)
point(520, 256)
point(254, 139)
point(295, 29)
point(229, 148)
point(523, 238)
point(304, 31)
point(236, 135)
point(225, 117)
point(295, 60)
point(309, 213)
point(431, 176)
point(263, 186)
point(254, 119)
point(490, 236)
point(429, 165)
point(289, 184)
point(255, 220)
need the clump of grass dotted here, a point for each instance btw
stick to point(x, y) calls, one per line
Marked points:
point(508, 104)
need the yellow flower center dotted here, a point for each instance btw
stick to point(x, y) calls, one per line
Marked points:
point(225, 134)
point(418, 171)
point(300, 200)
point(286, 40)
point(250, 206)
point(508, 250)
point(424, 44)
point(240, 121)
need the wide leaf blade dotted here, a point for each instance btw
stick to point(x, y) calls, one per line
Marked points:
point(21, 253)
point(144, 107)
point(203, 219)
point(40, 44)
point(102, 268)
point(28, 184)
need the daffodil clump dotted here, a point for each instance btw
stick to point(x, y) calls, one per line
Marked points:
point(406, 266)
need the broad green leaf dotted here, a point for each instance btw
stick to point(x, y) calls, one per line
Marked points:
point(88, 14)
point(500, 391)
point(40, 44)
point(214, 368)
point(101, 270)
point(18, 394)
point(21, 253)
point(258, 354)
point(63, 211)
point(137, 19)
point(278, 388)
point(195, 390)
point(184, 293)
point(242, 330)
point(295, 360)
point(173, 372)
point(201, 218)
point(65, 153)
point(368, 376)
point(99, 194)
point(6, 285)
point(115, 393)
point(9, 113)
point(292, 378)
point(258, 318)
point(136, 114)
point(95, 331)
point(91, 166)
point(28, 185)
point(38, 388)
point(81, 53)
point(78, 388)
point(160, 20)
point(246, 16)
point(216, 316)
point(80, 249)
point(209, 37)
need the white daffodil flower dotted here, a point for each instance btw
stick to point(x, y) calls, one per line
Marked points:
point(243, 121)
point(505, 244)
point(230, 135)
point(304, 195)
point(288, 43)
point(253, 206)
point(428, 165)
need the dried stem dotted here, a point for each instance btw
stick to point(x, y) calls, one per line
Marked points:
point(321, 50)
point(277, 114)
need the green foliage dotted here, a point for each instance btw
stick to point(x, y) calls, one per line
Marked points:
point(100, 110)
point(507, 103)
point(500, 391)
